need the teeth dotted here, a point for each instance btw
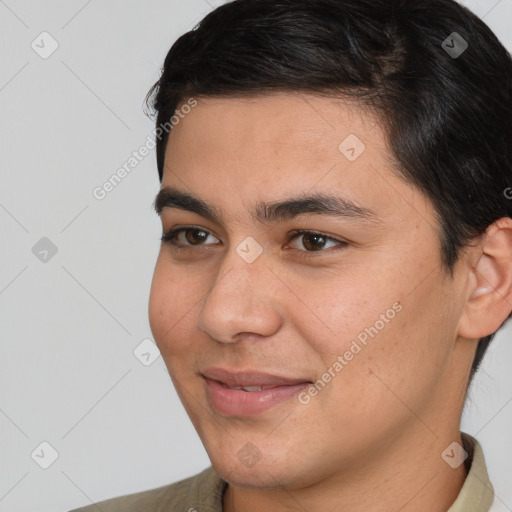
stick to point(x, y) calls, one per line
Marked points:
point(248, 388)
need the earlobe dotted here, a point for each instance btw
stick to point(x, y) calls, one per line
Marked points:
point(489, 300)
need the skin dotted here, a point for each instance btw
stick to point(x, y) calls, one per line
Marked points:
point(372, 438)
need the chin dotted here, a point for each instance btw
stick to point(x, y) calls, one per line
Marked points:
point(255, 477)
point(275, 472)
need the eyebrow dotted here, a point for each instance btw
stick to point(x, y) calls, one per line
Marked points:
point(320, 204)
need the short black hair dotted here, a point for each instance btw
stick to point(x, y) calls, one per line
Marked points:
point(447, 116)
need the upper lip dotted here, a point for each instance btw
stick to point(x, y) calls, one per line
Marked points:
point(249, 378)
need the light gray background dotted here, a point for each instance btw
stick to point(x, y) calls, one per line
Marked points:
point(68, 327)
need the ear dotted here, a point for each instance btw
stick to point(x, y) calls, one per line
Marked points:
point(490, 284)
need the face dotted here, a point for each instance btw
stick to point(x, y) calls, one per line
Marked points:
point(335, 316)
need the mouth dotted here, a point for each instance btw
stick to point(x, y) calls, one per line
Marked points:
point(250, 379)
point(248, 393)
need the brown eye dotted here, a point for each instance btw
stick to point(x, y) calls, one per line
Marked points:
point(195, 236)
point(316, 242)
point(192, 237)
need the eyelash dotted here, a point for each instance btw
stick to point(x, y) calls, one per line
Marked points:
point(171, 235)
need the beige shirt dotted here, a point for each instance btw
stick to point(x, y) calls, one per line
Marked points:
point(204, 491)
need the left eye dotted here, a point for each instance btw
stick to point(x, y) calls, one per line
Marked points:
point(314, 242)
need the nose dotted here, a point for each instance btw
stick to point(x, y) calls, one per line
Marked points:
point(241, 301)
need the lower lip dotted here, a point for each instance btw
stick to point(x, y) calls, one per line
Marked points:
point(234, 402)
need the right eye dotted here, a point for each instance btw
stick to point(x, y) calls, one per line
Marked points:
point(186, 237)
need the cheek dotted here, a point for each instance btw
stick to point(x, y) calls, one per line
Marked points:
point(388, 318)
point(171, 307)
point(342, 308)
point(158, 302)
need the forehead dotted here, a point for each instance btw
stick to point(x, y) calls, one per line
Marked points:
point(279, 120)
point(277, 135)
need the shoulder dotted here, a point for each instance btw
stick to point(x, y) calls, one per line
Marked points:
point(200, 492)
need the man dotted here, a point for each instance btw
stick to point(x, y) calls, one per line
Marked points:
point(337, 252)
